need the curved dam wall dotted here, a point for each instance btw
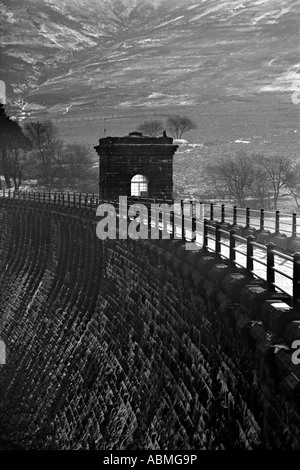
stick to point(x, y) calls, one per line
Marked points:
point(126, 344)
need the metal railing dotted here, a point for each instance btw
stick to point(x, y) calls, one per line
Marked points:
point(262, 261)
point(69, 199)
point(273, 221)
point(266, 263)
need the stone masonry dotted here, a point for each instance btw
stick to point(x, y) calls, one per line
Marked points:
point(126, 344)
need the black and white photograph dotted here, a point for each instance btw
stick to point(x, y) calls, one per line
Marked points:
point(149, 229)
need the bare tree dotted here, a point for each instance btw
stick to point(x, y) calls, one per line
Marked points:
point(260, 187)
point(152, 128)
point(11, 137)
point(76, 168)
point(232, 175)
point(277, 169)
point(293, 182)
point(178, 125)
point(45, 156)
point(16, 166)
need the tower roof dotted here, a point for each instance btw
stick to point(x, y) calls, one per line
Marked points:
point(137, 138)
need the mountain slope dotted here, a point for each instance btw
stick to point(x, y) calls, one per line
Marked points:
point(78, 55)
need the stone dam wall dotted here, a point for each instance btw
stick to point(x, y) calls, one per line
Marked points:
point(124, 344)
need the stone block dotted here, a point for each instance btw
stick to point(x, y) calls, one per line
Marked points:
point(263, 237)
point(280, 241)
point(268, 308)
point(192, 257)
point(253, 296)
point(293, 244)
point(292, 332)
point(238, 229)
point(246, 231)
point(280, 316)
point(225, 226)
point(219, 271)
point(206, 262)
point(234, 282)
point(283, 360)
point(291, 383)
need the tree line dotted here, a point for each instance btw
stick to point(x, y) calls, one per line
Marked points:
point(35, 152)
point(177, 126)
point(255, 176)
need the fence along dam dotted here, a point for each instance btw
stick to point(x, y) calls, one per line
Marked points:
point(137, 344)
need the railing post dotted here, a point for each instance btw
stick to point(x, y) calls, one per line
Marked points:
point(211, 211)
point(182, 222)
point(247, 217)
point(296, 281)
point(149, 218)
point(218, 240)
point(294, 225)
point(232, 245)
point(44, 198)
point(234, 215)
point(172, 222)
point(205, 234)
point(270, 266)
point(250, 240)
point(262, 219)
point(68, 199)
point(222, 213)
point(54, 198)
point(277, 216)
point(163, 222)
point(74, 199)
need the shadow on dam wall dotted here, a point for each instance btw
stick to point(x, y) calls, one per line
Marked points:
point(124, 344)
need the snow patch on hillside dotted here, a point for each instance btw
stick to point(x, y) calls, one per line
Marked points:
point(168, 22)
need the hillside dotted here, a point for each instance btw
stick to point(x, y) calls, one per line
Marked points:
point(79, 54)
point(95, 64)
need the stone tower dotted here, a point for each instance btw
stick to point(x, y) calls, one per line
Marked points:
point(136, 165)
